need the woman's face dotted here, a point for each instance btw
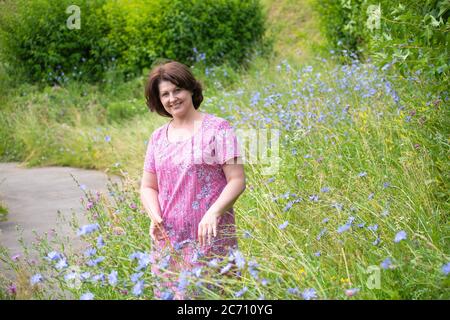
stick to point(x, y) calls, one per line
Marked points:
point(176, 101)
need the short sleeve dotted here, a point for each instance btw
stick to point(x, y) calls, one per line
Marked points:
point(149, 162)
point(227, 146)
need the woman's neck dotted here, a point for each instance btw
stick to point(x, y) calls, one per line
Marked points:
point(187, 120)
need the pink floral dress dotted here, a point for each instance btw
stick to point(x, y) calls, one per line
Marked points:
point(190, 179)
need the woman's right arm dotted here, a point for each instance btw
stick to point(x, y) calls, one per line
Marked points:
point(149, 196)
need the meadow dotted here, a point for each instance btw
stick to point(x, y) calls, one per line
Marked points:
point(357, 209)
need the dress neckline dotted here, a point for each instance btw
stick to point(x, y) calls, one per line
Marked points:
point(166, 135)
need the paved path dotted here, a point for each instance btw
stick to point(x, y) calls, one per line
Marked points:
point(34, 196)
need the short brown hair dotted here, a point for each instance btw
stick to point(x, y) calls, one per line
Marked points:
point(177, 73)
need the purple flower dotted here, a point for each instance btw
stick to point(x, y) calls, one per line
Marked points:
point(371, 195)
point(90, 252)
point(167, 295)
point(362, 174)
point(54, 256)
point(325, 189)
point(288, 206)
point(87, 296)
point(386, 185)
point(226, 268)
point(241, 292)
point(344, 228)
point(401, 235)
point(136, 276)
point(351, 292)
point(93, 263)
point(283, 225)
point(373, 227)
point(112, 278)
point(36, 279)
point(239, 259)
point(293, 291)
point(87, 229)
point(100, 242)
point(15, 257)
point(138, 288)
point(309, 294)
point(108, 139)
point(446, 268)
point(317, 254)
point(314, 198)
point(386, 264)
point(61, 264)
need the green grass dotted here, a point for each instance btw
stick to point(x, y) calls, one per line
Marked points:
point(384, 163)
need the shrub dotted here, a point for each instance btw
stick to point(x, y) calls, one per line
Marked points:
point(125, 36)
point(412, 33)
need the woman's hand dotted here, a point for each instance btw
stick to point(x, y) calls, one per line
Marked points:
point(157, 231)
point(207, 228)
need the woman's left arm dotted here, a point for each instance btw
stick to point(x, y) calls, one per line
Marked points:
point(234, 173)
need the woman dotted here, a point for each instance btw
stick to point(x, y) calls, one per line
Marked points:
point(192, 175)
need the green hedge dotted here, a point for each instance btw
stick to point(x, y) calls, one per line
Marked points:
point(414, 34)
point(124, 35)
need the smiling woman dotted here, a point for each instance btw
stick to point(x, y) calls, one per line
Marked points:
point(188, 199)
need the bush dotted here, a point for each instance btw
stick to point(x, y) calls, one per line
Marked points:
point(414, 34)
point(124, 36)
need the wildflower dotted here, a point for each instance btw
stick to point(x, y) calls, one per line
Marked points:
point(288, 206)
point(371, 196)
point(344, 228)
point(446, 268)
point(138, 288)
point(93, 263)
point(386, 264)
point(61, 264)
point(87, 296)
point(112, 278)
point(386, 185)
point(54, 256)
point(213, 263)
point(36, 279)
point(226, 268)
point(283, 225)
point(108, 139)
point(317, 254)
point(252, 265)
point(293, 291)
point(90, 252)
point(85, 276)
point(133, 206)
point(239, 259)
point(309, 294)
point(321, 233)
point(167, 295)
point(314, 198)
point(401, 235)
point(15, 257)
point(89, 205)
point(100, 242)
point(361, 225)
point(385, 213)
point(325, 189)
point(136, 276)
point(373, 227)
point(87, 229)
point(325, 220)
point(247, 234)
point(12, 289)
point(377, 241)
point(183, 280)
point(264, 282)
point(362, 174)
point(337, 205)
point(351, 292)
point(241, 292)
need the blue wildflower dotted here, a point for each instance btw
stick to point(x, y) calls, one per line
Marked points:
point(293, 291)
point(100, 242)
point(371, 196)
point(344, 228)
point(362, 174)
point(108, 139)
point(138, 288)
point(288, 206)
point(90, 252)
point(314, 198)
point(87, 229)
point(309, 294)
point(61, 264)
point(239, 259)
point(112, 278)
point(136, 276)
point(401, 235)
point(87, 296)
point(241, 292)
point(54, 256)
point(167, 295)
point(325, 189)
point(283, 225)
point(373, 227)
point(386, 264)
point(446, 268)
point(94, 262)
point(226, 268)
point(36, 279)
